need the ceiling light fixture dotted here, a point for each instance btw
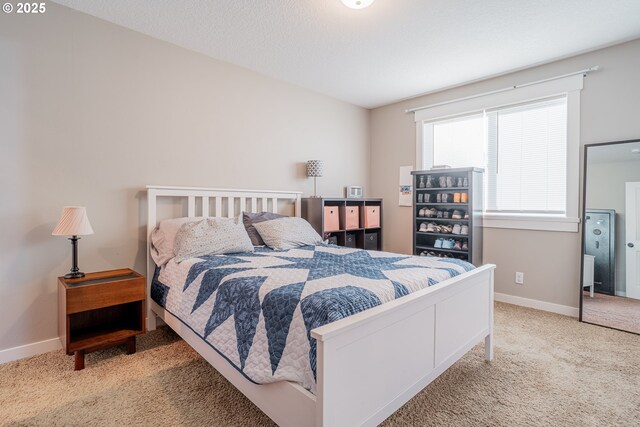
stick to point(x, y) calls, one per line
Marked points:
point(357, 4)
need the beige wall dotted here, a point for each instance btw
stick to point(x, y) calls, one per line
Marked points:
point(610, 105)
point(606, 190)
point(91, 112)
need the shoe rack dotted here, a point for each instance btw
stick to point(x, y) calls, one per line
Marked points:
point(444, 198)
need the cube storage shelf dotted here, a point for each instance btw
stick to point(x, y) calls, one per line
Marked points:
point(354, 223)
point(428, 184)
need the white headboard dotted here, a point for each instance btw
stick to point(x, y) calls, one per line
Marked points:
point(212, 202)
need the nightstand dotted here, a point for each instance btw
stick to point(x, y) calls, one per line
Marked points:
point(101, 310)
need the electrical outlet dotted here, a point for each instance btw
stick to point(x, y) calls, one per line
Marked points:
point(519, 278)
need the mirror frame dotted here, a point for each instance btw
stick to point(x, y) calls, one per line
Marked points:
point(583, 212)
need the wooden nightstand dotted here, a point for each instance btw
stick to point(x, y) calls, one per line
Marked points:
point(101, 310)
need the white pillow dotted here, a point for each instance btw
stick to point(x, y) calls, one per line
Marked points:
point(211, 236)
point(163, 239)
point(287, 233)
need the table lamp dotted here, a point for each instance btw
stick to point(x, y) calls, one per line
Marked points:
point(315, 169)
point(73, 222)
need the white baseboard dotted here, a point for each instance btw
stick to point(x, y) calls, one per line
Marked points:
point(537, 304)
point(28, 350)
point(621, 294)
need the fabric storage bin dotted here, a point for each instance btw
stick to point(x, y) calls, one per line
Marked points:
point(351, 217)
point(331, 218)
point(371, 241)
point(350, 240)
point(371, 216)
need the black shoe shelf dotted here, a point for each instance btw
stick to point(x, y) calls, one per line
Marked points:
point(428, 184)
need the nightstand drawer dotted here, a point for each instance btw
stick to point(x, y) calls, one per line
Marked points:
point(91, 297)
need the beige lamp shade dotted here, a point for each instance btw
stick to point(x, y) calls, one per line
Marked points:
point(73, 222)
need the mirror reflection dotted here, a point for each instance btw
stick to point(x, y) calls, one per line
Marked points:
point(611, 266)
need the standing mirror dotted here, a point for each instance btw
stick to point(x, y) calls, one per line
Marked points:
point(610, 288)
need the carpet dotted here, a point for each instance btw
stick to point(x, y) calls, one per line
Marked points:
point(612, 311)
point(549, 370)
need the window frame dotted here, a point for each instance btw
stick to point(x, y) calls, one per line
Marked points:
point(567, 86)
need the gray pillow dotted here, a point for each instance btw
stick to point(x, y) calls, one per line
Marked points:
point(211, 236)
point(287, 233)
point(252, 218)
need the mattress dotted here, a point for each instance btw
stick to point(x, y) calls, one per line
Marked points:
point(257, 309)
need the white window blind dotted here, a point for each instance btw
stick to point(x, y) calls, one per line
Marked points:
point(527, 158)
point(523, 150)
point(460, 142)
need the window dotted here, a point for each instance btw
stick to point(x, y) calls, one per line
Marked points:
point(523, 150)
point(460, 142)
point(527, 139)
point(527, 158)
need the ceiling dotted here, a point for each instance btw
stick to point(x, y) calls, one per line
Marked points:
point(393, 50)
point(614, 153)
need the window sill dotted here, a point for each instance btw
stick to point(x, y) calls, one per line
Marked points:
point(531, 222)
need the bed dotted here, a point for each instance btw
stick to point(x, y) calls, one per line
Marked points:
point(364, 365)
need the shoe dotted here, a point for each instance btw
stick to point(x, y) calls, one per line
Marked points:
point(456, 214)
point(457, 229)
point(430, 213)
point(466, 215)
point(438, 198)
point(423, 253)
point(426, 198)
point(446, 215)
point(448, 244)
point(431, 228)
point(456, 197)
point(438, 243)
point(465, 246)
point(460, 182)
point(439, 214)
point(464, 230)
point(465, 182)
point(421, 211)
point(430, 182)
point(432, 254)
point(423, 227)
point(449, 181)
point(420, 197)
point(442, 181)
point(464, 198)
point(458, 245)
point(445, 198)
point(446, 229)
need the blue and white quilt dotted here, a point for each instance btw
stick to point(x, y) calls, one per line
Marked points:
point(257, 309)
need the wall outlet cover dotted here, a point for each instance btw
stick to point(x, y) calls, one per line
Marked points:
point(519, 278)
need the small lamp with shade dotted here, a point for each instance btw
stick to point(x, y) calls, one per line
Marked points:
point(315, 169)
point(73, 222)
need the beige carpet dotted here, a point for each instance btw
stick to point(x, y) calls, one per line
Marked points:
point(612, 311)
point(549, 370)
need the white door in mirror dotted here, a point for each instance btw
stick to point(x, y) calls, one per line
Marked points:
point(632, 235)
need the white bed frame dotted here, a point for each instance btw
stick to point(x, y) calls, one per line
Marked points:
point(369, 364)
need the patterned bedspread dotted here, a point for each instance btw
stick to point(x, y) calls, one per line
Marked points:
point(257, 309)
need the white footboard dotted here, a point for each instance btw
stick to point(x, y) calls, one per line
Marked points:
point(371, 363)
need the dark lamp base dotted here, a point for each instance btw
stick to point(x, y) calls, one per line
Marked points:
point(76, 275)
